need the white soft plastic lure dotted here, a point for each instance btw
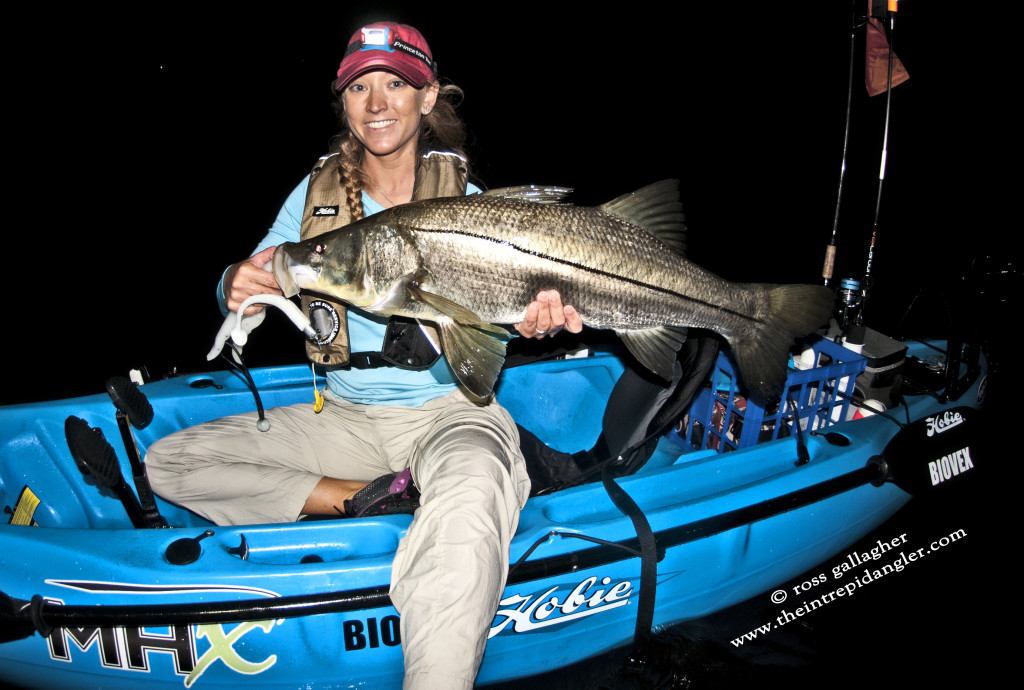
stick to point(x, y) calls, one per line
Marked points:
point(238, 325)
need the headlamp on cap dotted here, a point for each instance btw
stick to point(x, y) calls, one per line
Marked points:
point(375, 37)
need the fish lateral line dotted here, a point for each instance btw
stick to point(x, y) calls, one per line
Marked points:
point(594, 271)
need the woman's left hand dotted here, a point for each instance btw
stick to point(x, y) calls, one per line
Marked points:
point(547, 316)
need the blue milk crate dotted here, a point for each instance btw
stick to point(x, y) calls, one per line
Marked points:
point(722, 418)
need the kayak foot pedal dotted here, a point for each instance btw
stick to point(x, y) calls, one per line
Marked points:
point(96, 458)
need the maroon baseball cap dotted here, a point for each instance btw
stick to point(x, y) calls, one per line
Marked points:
point(397, 48)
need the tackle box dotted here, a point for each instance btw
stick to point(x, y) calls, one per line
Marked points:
point(722, 418)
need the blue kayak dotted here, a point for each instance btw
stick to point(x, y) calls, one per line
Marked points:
point(738, 499)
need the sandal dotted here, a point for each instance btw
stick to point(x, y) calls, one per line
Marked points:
point(391, 494)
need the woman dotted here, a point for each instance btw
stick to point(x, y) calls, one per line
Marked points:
point(401, 140)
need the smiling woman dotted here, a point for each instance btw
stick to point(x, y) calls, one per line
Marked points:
point(383, 113)
point(392, 426)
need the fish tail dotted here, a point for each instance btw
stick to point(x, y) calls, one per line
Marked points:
point(793, 312)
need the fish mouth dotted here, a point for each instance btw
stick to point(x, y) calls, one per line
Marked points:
point(291, 275)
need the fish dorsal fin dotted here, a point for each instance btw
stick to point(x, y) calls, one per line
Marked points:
point(657, 209)
point(538, 194)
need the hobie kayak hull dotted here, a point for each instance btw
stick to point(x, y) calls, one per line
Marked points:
point(311, 598)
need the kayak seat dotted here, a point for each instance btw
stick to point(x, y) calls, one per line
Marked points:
point(639, 410)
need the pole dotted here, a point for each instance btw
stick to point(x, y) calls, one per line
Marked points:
point(830, 251)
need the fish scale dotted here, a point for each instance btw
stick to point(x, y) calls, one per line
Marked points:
point(594, 266)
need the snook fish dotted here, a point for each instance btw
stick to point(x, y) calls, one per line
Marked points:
point(469, 263)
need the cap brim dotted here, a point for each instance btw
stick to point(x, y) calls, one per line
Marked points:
point(416, 80)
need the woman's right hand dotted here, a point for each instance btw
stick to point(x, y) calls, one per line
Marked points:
point(248, 278)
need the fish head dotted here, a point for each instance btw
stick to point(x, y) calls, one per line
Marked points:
point(331, 264)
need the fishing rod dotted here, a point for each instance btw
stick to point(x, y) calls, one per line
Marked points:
point(830, 251)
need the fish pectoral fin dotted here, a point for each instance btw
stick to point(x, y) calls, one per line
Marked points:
point(655, 348)
point(474, 348)
point(456, 312)
point(474, 355)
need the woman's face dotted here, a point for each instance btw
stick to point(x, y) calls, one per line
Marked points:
point(384, 112)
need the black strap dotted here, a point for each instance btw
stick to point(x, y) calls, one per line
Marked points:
point(648, 563)
point(367, 360)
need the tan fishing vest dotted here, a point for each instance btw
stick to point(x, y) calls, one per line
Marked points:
point(438, 174)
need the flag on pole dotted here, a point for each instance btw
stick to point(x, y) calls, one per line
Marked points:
point(876, 54)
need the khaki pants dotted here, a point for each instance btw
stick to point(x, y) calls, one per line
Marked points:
point(449, 571)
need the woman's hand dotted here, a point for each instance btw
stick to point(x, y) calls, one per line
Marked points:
point(248, 278)
point(547, 316)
